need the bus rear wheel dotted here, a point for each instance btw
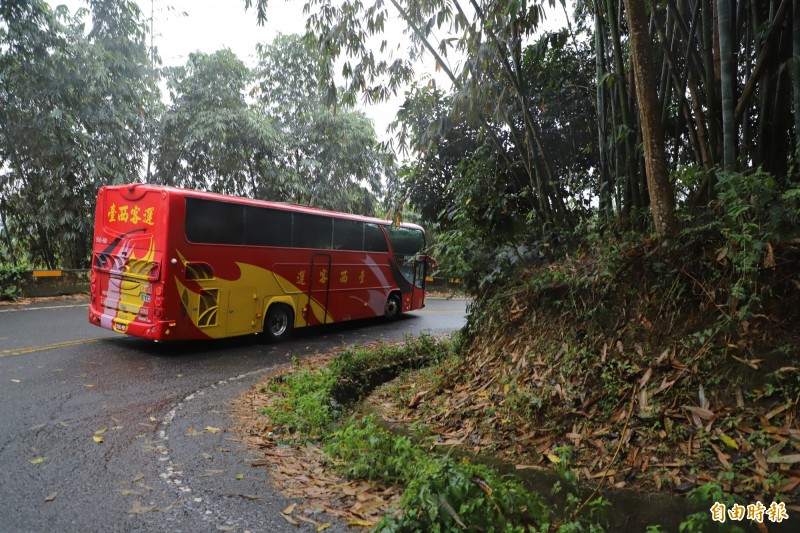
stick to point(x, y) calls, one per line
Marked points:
point(278, 324)
point(392, 309)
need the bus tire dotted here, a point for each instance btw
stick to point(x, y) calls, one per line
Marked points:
point(393, 307)
point(279, 321)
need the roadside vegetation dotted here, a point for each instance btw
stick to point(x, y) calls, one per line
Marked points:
point(314, 406)
point(446, 445)
point(11, 279)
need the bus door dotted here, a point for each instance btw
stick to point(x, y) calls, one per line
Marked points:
point(319, 285)
point(420, 272)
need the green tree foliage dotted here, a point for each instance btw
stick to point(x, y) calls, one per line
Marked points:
point(552, 136)
point(210, 138)
point(521, 118)
point(70, 120)
point(424, 127)
point(490, 89)
point(481, 198)
point(266, 133)
point(80, 107)
point(329, 155)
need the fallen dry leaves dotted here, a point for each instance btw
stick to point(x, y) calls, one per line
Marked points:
point(664, 445)
point(650, 442)
point(301, 472)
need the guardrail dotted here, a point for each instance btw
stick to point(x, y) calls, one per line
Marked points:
point(37, 283)
point(443, 284)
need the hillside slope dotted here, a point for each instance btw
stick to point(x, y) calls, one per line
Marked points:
point(633, 365)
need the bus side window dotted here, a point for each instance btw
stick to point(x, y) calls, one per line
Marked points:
point(312, 231)
point(213, 222)
point(374, 240)
point(267, 227)
point(347, 234)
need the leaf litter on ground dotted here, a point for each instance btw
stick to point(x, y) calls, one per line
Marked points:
point(300, 471)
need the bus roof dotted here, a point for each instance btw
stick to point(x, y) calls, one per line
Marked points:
point(140, 188)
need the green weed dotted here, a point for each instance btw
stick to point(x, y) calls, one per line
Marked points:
point(307, 402)
point(364, 450)
point(707, 495)
point(11, 281)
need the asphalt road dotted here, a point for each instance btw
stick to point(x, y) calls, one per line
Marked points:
point(65, 384)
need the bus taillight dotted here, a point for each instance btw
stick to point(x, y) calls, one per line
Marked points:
point(159, 300)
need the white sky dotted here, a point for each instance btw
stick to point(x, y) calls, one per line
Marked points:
point(185, 26)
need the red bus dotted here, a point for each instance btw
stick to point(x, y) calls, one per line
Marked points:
point(172, 263)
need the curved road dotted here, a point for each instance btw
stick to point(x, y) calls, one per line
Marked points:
point(65, 385)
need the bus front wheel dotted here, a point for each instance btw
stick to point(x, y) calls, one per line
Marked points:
point(279, 321)
point(392, 309)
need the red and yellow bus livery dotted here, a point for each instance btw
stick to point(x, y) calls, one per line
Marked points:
point(173, 263)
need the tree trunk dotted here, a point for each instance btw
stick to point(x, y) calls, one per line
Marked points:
point(662, 199)
point(604, 183)
point(727, 80)
point(628, 123)
point(6, 233)
point(796, 71)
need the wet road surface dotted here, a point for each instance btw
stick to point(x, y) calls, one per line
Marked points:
point(161, 465)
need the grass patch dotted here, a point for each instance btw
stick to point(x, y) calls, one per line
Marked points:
point(307, 403)
point(445, 494)
point(441, 493)
point(302, 403)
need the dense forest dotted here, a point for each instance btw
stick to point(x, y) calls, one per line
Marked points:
point(647, 120)
point(81, 106)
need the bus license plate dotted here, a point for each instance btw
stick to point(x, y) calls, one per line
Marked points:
point(122, 328)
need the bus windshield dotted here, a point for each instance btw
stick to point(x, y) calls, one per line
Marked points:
point(407, 244)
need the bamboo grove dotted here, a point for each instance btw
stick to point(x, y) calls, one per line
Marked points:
point(726, 92)
point(722, 89)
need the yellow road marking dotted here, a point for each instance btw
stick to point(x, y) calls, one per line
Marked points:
point(55, 345)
